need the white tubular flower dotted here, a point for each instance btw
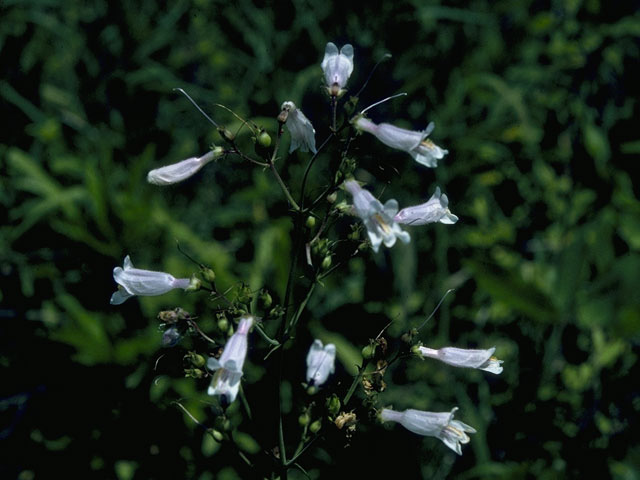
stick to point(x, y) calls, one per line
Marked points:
point(378, 218)
point(320, 362)
point(303, 135)
point(434, 210)
point(133, 281)
point(440, 425)
point(337, 67)
point(416, 144)
point(180, 171)
point(228, 368)
point(460, 357)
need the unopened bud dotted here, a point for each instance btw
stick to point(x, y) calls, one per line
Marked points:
point(326, 262)
point(227, 134)
point(315, 426)
point(304, 419)
point(311, 221)
point(223, 323)
point(312, 390)
point(217, 436)
point(332, 197)
point(196, 359)
point(368, 352)
point(193, 373)
point(194, 285)
point(264, 139)
point(171, 337)
point(264, 300)
point(208, 274)
point(223, 423)
point(333, 405)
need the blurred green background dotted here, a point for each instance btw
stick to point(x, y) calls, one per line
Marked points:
point(537, 103)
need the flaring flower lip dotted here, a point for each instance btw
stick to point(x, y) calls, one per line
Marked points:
point(337, 66)
point(434, 210)
point(441, 425)
point(468, 358)
point(320, 362)
point(415, 143)
point(377, 218)
point(300, 128)
point(228, 368)
point(177, 172)
point(134, 281)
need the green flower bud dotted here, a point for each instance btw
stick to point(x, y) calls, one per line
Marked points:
point(264, 139)
point(315, 426)
point(332, 197)
point(311, 221)
point(208, 274)
point(223, 423)
point(326, 262)
point(264, 300)
point(197, 360)
point(333, 405)
point(227, 135)
point(223, 323)
point(218, 437)
point(304, 419)
point(312, 390)
point(368, 352)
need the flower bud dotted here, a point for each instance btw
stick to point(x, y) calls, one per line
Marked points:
point(333, 405)
point(264, 300)
point(315, 426)
point(223, 423)
point(332, 197)
point(193, 373)
point(217, 436)
point(264, 139)
point(304, 419)
point(208, 274)
point(171, 337)
point(223, 323)
point(196, 359)
point(326, 262)
point(311, 221)
point(194, 284)
point(227, 135)
point(312, 390)
point(368, 352)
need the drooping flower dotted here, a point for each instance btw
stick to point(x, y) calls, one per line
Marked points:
point(416, 144)
point(300, 128)
point(180, 171)
point(133, 281)
point(434, 210)
point(228, 368)
point(337, 67)
point(460, 357)
point(320, 362)
point(378, 218)
point(432, 424)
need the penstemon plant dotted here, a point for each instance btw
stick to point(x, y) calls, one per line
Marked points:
point(270, 327)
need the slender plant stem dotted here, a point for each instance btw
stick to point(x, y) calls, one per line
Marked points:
point(272, 166)
point(308, 169)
